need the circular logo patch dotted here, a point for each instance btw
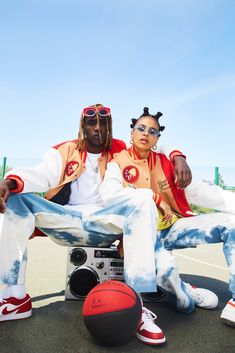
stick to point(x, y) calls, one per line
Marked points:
point(71, 167)
point(130, 174)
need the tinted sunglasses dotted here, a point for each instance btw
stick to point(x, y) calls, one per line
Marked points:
point(94, 122)
point(91, 111)
point(151, 130)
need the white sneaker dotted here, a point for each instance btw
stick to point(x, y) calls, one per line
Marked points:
point(148, 332)
point(202, 297)
point(228, 313)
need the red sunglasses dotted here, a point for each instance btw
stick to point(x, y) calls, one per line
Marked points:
point(91, 111)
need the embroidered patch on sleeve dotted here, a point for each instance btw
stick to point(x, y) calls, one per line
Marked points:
point(71, 167)
point(130, 174)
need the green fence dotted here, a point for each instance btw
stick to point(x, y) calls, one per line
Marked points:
point(3, 169)
point(218, 180)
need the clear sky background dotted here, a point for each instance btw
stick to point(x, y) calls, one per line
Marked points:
point(177, 57)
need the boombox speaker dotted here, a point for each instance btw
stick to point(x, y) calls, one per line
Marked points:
point(87, 267)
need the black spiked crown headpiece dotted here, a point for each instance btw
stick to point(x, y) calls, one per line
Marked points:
point(146, 113)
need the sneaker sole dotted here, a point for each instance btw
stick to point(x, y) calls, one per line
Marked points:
point(20, 316)
point(209, 307)
point(151, 341)
point(228, 321)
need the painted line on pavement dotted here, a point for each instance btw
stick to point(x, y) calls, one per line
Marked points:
point(202, 262)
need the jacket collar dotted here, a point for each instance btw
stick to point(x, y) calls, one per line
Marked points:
point(151, 157)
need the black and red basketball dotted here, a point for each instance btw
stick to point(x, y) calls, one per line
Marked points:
point(112, 312)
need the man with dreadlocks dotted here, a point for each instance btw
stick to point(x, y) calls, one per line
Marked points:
point(72, 211)
point(141, 169)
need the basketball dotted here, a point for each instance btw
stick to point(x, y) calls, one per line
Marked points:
point(112, 312)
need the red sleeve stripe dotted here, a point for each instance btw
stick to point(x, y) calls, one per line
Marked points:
point(175, 153)
point(19, 182)
point(157, 199)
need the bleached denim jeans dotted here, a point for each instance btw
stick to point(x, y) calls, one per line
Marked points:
point(148, 261)
point(202, 229)
point(133, 216)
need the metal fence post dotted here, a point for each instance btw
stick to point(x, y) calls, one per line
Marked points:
point(4, 164)
point(216, 180)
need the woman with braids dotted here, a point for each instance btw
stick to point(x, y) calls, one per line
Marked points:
point(171, 222)
point(72, 212)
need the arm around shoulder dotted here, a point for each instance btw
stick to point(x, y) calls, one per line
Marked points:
point(5, 186)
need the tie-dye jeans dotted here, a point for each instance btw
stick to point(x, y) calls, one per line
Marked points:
point(133, 215)
point(147, 262)
point(202, 229)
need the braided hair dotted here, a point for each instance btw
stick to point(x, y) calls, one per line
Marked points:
point(146, 113)
point(81, 142)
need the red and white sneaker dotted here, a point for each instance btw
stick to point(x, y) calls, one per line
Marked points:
point(148, 332)
point(14, 309)
point(228, 313)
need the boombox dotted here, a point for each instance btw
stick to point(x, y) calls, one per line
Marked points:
point(87, 267)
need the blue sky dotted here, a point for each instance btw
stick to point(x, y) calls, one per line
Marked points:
point(177, 57)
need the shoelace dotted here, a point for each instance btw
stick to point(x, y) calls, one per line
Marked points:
point(148, 315)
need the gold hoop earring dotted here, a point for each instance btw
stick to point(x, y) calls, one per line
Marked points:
point(154, 147)
point(131, 142)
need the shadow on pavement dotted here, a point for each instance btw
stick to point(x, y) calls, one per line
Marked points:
point(58, 328)
point(46, 296)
